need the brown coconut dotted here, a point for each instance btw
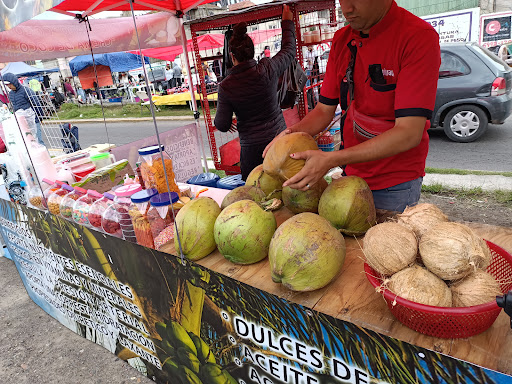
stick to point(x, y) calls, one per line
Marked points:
point(390, 247)
point(453, 250)
point(420, 218)
point(478, 288)
point(278, 162)
point(421, 286)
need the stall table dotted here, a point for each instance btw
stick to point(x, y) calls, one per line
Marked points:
point(350, 297)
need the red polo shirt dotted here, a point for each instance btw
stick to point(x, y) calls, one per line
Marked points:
point(407, 50)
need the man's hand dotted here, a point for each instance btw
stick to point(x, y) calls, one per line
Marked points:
point(285, 132)
point(287, 14)
point(317, 165)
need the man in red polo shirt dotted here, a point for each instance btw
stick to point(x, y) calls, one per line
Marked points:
point(393, 58)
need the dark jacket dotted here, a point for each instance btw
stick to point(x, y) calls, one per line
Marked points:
point(21, 97)
point(250, 91)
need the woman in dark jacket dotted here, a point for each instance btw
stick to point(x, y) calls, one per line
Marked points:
point(250, 91)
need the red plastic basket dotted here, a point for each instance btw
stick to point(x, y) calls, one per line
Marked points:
point(448, 322)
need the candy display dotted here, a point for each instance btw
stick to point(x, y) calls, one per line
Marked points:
point(160, 215)
point(98, 208)
point(67, 202)
point(49, 190)
point(82, 206)
point(138, 212)
point(104, 179)
point(152, 169)
point(164, 237)
point(122, 203)
point(55, 198)
point(110, 222)
point(35, 195)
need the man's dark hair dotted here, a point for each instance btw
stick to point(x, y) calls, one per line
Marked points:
point(241, 45)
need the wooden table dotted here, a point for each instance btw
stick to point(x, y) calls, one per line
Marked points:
point(352, 298)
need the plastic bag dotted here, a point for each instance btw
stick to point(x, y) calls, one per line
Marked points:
point(30, 117)
point(291, 82)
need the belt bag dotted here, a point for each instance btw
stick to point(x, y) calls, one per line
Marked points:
point(367, 127)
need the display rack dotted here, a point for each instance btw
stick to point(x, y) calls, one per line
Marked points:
point(262, 18)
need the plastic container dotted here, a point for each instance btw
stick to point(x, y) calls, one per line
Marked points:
point(55, 198)
point(101, 160)
point(36, 194)
point(315, 36)
point(82, 170)
point(49, 190)
point(205, 180)
point(161, 219)
point(97, 209)
point(447, 322)
point(138, 213)
point(109, 218)
point(65, 174)
point(83, 205)
point(231, 182)
point(122, 203)
point(68, 201)
point(152, 170)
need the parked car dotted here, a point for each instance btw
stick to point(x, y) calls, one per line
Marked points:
point(473, 90)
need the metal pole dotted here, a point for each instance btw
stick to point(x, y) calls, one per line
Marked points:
point(192, 94)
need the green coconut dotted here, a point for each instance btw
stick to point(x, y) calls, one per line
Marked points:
point(243, 232)
point(306, 252)
point(348, 205)
point(268, 184)
point(195, 223)
point(245, 192)
point(299, 201)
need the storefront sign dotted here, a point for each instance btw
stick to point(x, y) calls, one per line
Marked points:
point(456, 26)
point(172, 320)
point(496, 29)
point(181, 144)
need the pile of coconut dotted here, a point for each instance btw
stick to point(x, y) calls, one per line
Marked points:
point(425, 258)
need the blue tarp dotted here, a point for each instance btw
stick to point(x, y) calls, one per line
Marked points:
point(21, 69)
point(117, 61)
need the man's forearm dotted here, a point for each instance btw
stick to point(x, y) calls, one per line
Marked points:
point(316, 120)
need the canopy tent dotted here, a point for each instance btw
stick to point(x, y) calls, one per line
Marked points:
point(206, 41)
point(117, 61)
point(91, 7)
point(22, 69)
point(40, 39)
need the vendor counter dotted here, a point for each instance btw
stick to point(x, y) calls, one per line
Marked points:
point(180, 98)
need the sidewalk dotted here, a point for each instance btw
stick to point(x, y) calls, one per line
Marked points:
point(485, 182)
point(132, 119)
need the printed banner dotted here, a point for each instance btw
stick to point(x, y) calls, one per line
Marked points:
point(41, 39)
point(456, 26)
point(496, 29)
point(14, 12)
point(181, 144)
point(178, 322)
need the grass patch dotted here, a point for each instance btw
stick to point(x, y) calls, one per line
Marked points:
point(71, 111)
point(452, 171)
point(503, 197)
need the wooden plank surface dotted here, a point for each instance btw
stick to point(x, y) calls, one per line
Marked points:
point(352, 298)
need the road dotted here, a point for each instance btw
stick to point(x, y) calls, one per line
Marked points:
point(490, 153)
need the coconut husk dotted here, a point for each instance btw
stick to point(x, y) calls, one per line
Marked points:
point(453, 250)
point(422, 217)
point(478, 288)
point(390, 247)
point(421, 286)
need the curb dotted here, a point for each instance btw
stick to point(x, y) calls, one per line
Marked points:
point(130, 119)
point(466, 182)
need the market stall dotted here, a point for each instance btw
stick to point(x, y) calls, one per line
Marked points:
point(185, 292)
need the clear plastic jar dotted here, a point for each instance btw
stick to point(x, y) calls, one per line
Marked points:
point(49, 190)
point(55, 198)
point(110, 218)
point(152, 170)
point(101, 160)
point(68, 201)
point(138, 213)
point(83, 205)
point(35, 195)
point(161, 219)
point(122, 203)
point(97, 209)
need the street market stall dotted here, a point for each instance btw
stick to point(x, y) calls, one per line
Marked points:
point(151, 269)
